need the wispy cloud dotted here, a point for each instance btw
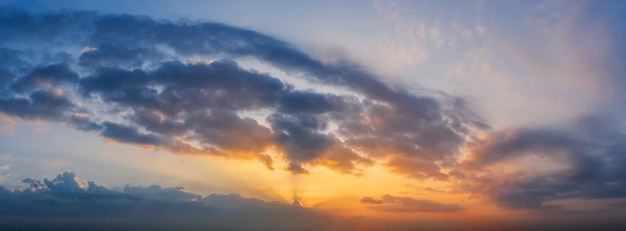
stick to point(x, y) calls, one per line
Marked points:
point(527, 168)
point(389, 203)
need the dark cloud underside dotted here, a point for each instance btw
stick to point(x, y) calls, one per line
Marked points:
point(177, 86)
point(69, 203)
point(584, 159)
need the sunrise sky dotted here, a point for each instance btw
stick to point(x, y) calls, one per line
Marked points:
point(312, 115)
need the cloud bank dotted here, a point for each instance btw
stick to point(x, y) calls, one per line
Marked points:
point(180, 86)
point(69, 203)
point(525, 168)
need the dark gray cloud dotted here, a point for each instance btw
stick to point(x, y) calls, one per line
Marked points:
point(5, 77)
point(10, 58)
point(113, 81)
point(415, 141)
point(63, 28)
point(129, 134)
point(10, 64)
point(111, 55)
point(82, 122)
point(582, 159)
point(75, 204)
point(46, 77)
point(389, 203)
point(40, 104)
point(227, 130)
point(299, 135)
point(131, 68)
point(313, 103)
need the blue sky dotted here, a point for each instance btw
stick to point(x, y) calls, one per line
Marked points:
point(451, 112)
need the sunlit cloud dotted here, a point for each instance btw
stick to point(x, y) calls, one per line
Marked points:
point(527, 168)
point(198, 101)
point(395, 204)
point(452, 111)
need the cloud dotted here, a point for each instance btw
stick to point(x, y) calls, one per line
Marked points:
point(618, 205)
point(67, 202)
point(370, 200)
point(157, 193)
point(40, 104)
point(46, 77)
point(389, 203)
point(67, 182)
point(110, 55)
point(129, 135)
point(580, 159)
point(3, 168)
point(10, 62)
point(130, 83)
point(75, 203)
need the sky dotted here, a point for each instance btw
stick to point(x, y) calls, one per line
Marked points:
point(312, 115)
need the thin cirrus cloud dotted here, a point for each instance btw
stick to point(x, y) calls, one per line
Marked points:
point(130, 68)
point(389, 203)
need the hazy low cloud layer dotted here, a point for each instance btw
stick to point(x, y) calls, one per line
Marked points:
point(67, 203)
point(389, 203)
